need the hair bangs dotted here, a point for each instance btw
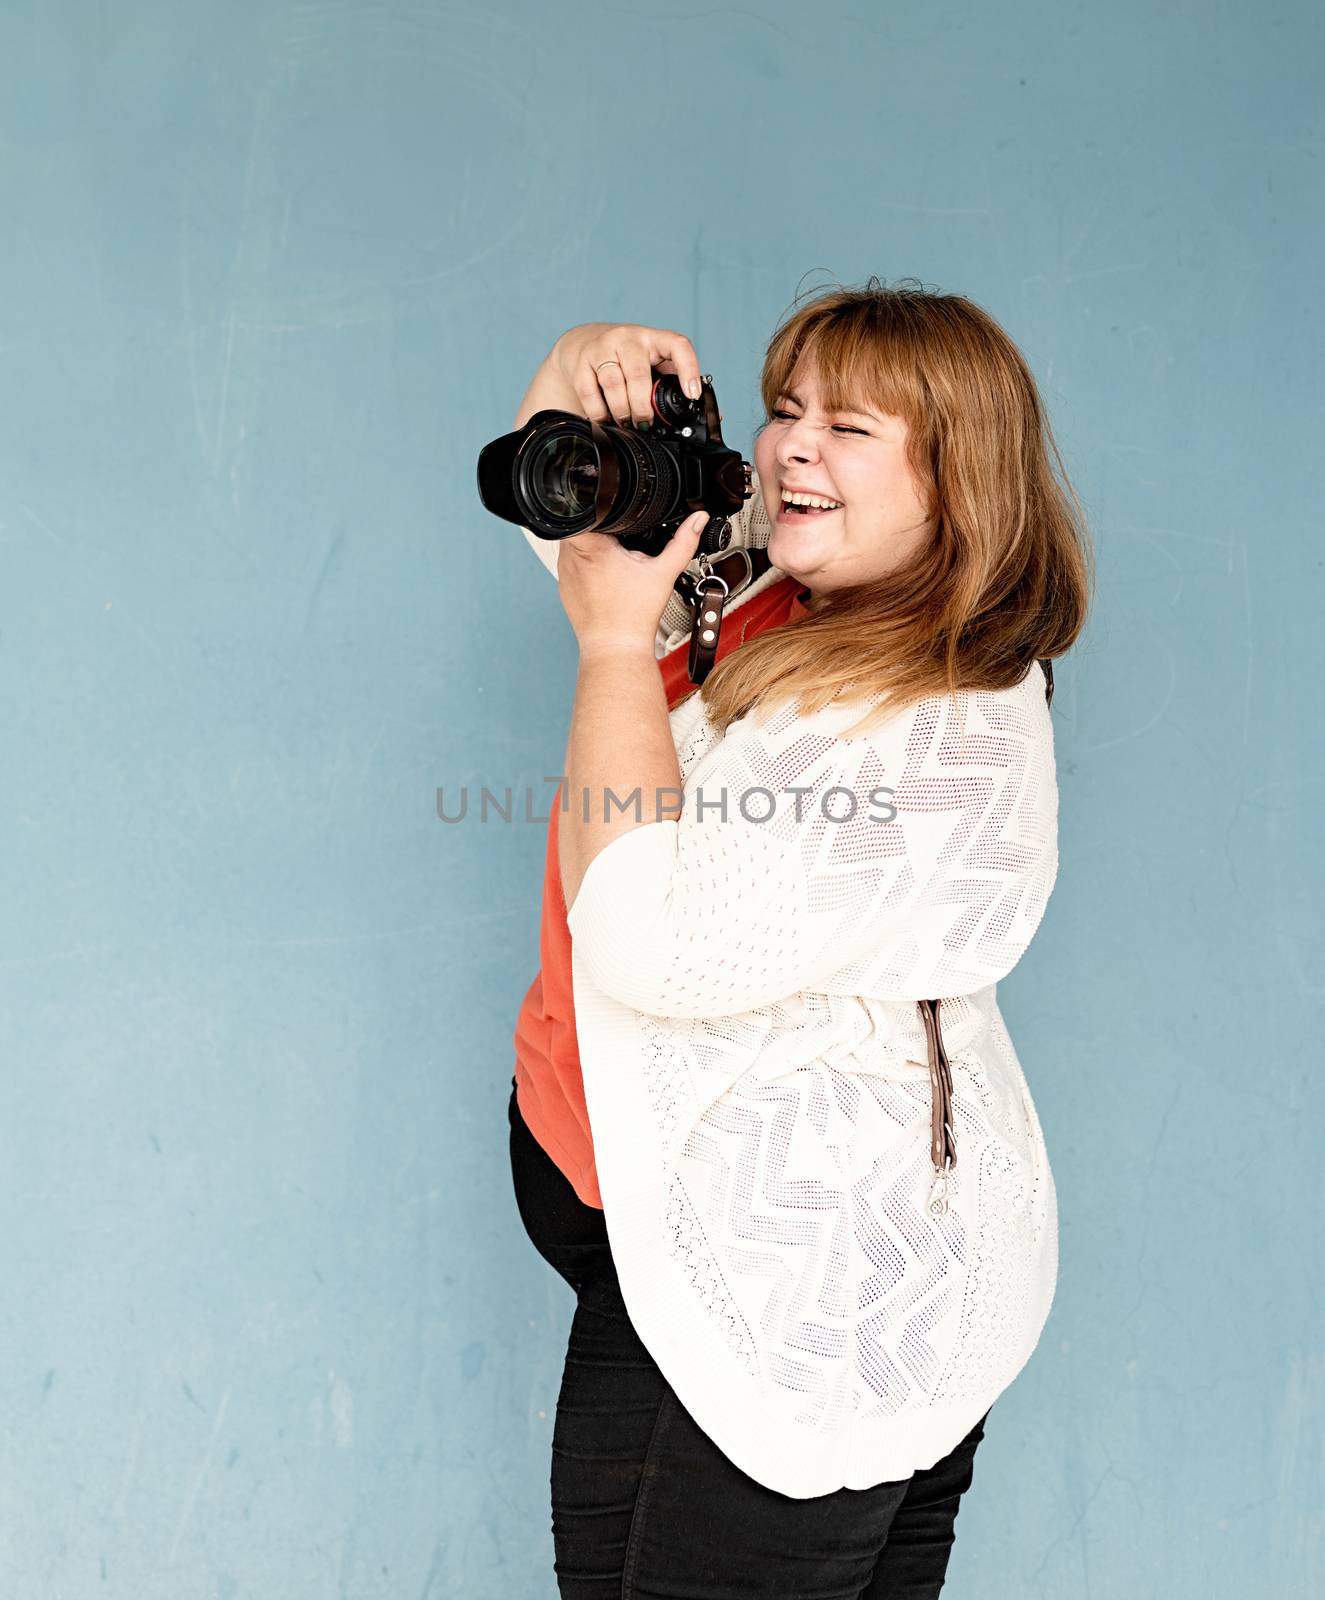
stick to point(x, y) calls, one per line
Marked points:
point(860, 357)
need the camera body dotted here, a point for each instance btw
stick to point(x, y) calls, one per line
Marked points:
point(562, 474)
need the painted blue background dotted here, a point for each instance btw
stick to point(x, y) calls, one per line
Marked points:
point(271, 275)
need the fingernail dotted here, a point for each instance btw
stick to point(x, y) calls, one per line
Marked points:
point(694, 388)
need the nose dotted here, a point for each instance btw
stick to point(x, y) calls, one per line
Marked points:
point(796, 443)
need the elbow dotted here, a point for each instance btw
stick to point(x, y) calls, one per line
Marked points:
point(996, 954)
point(666, 985)
point(617, 973)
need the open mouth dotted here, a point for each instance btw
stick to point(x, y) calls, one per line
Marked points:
point(787, 510)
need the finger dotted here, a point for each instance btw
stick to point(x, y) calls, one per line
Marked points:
point(613, 385)
point(680, 550)
point(590, 393)
point(638, 383)
point(676, 348)
point(687, 535)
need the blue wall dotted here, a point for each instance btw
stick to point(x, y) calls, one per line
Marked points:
point(271, 275)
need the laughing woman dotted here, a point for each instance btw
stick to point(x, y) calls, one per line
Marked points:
point(766, 1118)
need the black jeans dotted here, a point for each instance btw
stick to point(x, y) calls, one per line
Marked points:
point(646, 1507)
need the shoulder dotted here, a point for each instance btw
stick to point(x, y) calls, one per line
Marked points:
point(944, 730)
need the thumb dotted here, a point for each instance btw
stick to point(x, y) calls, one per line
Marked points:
point(685, 541)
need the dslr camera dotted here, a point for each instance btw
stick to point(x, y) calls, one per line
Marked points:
point(562, 474)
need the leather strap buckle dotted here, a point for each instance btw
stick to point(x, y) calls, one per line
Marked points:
point(719, 578)
point(735, 568)
point(711, 593)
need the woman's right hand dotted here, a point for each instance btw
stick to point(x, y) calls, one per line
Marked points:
point(621, 392)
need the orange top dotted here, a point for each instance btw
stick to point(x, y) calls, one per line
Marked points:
point(549, 1090)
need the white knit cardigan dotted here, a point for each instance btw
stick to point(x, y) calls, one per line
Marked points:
point(756, 1074)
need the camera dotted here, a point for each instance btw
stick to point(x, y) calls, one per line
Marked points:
point(562, 474)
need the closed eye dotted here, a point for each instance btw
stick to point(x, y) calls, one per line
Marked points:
point(837, 427)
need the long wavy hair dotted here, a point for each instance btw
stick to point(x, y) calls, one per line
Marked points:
point(1008, 574)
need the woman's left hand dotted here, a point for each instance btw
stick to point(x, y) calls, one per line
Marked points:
point(615, 597)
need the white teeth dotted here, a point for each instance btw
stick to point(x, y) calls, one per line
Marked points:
point(790, 499)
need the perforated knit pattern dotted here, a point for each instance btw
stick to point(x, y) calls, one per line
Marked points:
point(755, 1073)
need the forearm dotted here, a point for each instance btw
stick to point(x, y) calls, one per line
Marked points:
point(620, 741)
point(550, 390)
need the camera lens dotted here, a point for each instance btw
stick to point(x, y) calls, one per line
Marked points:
point(563, 475)
point(560, 477)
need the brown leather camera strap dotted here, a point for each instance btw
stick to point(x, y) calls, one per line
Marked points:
point(707, 592)
point(943, 1136)
point(710, 598)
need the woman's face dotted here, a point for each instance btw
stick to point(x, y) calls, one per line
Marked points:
point(856, 459)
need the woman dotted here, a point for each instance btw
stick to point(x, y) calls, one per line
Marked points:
point(806, 1210)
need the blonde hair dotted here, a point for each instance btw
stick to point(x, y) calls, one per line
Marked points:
point(1008, 574)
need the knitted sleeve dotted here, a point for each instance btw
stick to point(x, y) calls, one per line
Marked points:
point(910, 862)
point(545, 549)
